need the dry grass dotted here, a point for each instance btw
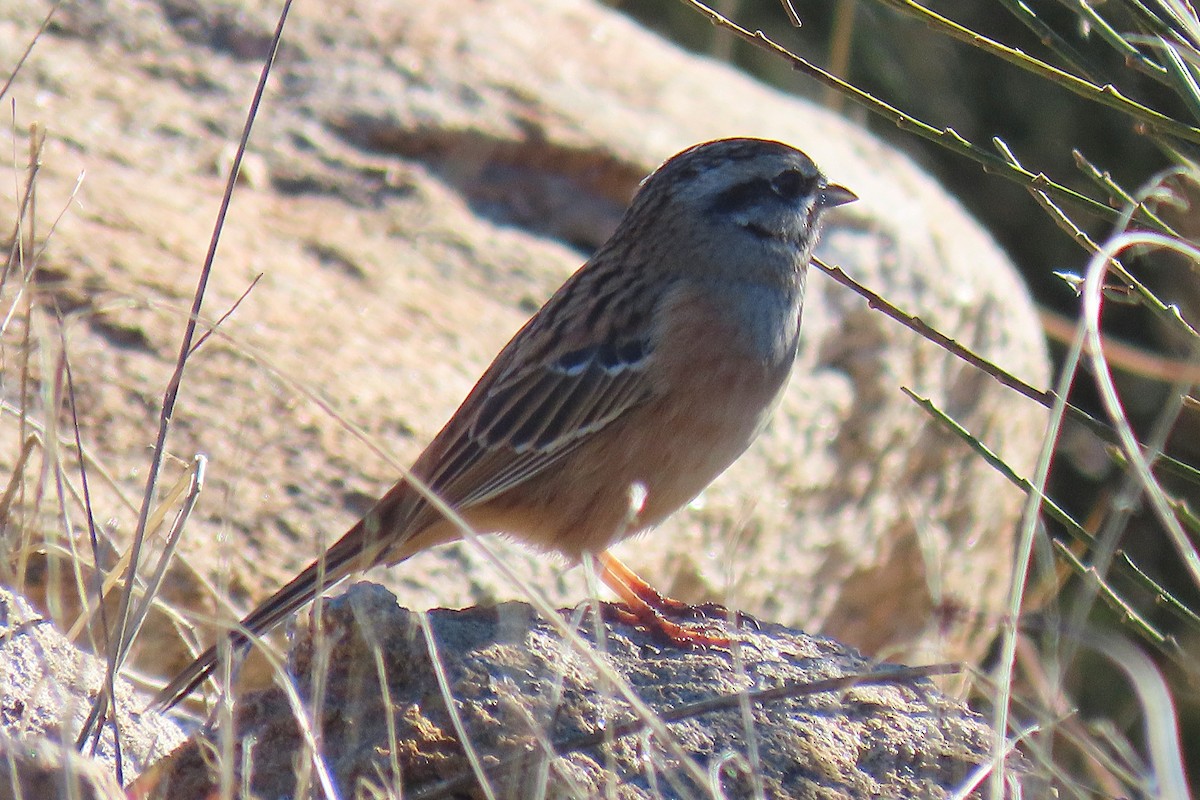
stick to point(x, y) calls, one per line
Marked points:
point(1027, 687)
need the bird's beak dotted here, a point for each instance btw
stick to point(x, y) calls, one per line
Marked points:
point(833, 195)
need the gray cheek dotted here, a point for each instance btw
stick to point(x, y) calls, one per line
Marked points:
point(758, 282)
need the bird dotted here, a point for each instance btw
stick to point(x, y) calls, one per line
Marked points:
point(644, 376)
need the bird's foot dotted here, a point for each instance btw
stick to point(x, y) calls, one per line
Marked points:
point(658, 625)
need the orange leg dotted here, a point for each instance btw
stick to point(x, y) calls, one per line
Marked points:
point(649, 607)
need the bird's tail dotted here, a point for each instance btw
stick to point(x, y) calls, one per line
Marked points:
point(360, 548)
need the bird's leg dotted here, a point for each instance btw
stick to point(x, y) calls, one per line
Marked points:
point(650, 608)
point(624, 581)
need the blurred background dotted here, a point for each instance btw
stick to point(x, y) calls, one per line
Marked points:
point(881, 47)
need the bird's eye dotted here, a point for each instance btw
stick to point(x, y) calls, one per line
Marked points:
point(791, 184)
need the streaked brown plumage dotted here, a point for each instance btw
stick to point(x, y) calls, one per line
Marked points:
point(654, 366)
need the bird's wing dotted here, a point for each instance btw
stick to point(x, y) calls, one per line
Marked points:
point(523, 421)
point(577, 366)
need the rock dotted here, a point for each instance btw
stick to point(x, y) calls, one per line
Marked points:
point(46, 691)
point(33, 767)
point(547, 719)
point(422, 179)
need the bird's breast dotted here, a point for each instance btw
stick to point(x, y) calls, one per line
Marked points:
point(732, 324)
point(719, 379)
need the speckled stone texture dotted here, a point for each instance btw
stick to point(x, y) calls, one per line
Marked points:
point(545, 718)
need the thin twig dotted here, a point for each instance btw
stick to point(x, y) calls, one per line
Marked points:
point(1055, 511)
point(790, 11)
point(1043, 397)
point(1128, 570)
point(116, 652)
point(1129, 614)
point(1162, 597)
point(1051, 39)
point(1133, 204)
point(1140, 456)
point(18, 248)
point(29, 48)
point(209, 332)
point(93, 537)
point(945, 137)
point(1106, 95)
